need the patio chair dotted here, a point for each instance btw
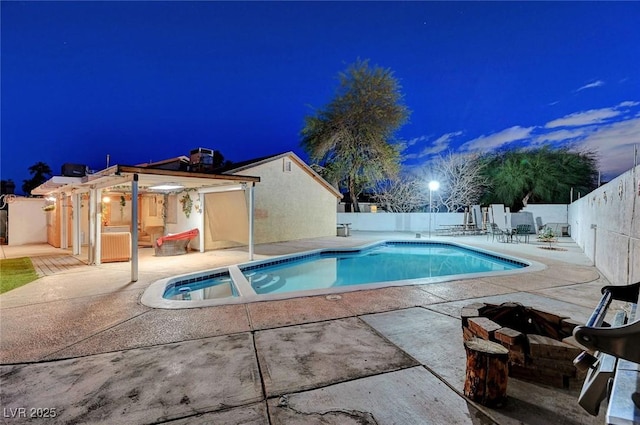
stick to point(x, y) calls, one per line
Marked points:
point(522, 232)
point(497, 233)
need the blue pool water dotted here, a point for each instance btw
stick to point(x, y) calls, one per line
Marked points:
point(216, 285)
point(383, 262)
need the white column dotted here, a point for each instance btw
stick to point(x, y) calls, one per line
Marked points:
point(64, 217)
point(134, 229)
point(76, 243)
point(98, 238)
point(92, 226)
point(251, 221)
point(201, 222)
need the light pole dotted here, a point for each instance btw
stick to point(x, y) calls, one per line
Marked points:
point(433, 185)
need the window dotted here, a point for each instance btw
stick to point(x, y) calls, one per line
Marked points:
point(171, 209)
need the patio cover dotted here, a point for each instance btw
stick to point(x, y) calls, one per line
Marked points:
point(135, 179)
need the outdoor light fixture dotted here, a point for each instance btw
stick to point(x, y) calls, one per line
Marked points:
point(433, 185)
point(167, 186)
point(106, 200)
point(50, 198)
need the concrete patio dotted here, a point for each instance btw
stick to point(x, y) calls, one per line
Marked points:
point(78, 341)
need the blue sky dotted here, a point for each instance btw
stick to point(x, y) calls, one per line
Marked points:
point(147, 81)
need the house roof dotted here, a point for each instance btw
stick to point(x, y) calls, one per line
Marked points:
point(180, 158)
point(119, 177)
point(54, 184)
point(237, 167)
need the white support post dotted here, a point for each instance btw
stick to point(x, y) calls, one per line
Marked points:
point(98, 237)
point(76, 242)
point(64, 217)
point(251, 185)
point(134, 229)
point(92, 226)
point(201, 223)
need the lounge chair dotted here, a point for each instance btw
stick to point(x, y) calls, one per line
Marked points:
point(175, 244)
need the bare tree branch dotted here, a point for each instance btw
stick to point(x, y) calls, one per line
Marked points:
point(405, 194)
point(461, 180)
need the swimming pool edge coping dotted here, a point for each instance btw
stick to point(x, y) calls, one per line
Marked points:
point(153, 295)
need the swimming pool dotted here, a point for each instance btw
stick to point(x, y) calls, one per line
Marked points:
point(388, 263)
point(385, 262)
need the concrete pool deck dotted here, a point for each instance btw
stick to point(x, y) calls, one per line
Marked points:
point(79, 341)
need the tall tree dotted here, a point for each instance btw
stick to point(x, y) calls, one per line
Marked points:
point(462, 182)
point(351, 138)
point(403, 194)
point(542, 175)
point(219, 160)
point(40, 173)
point(7, 187)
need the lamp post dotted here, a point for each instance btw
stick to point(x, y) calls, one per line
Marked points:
point(433, 185)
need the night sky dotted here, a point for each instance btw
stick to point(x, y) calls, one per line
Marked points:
point(145, 81)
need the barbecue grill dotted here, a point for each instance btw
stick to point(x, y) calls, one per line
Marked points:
point(613, 370)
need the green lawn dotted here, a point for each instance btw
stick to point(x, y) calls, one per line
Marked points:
point(15, 272)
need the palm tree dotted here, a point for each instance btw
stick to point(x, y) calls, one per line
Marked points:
point(40, 173)
point(543, 175)
point(351, 138)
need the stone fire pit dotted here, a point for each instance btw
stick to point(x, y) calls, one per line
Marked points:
point(541, 346)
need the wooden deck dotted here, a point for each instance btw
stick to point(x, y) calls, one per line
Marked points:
point(46, 265)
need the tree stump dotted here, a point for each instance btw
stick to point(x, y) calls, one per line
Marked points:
point(487, 372)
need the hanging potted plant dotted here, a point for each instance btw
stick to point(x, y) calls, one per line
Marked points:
point(187, 204)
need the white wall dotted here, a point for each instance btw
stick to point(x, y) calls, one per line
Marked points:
point(419, 222)
point(27, 221)
point(606, 225)
point(290, 203)
point(185, 223)
point(547, 213)
point(399, 222)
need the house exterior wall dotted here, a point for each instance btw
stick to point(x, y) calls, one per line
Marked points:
point(290, 205)
point(226, 220)
point(27, 221)
point(151, 210)
point(606, 225)
point(54, 218)
point(183, 222)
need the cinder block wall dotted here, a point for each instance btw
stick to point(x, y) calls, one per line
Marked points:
point(606, 225)
point(419, 222)
point(27, 221)
point(399, 222)
point(547, 213)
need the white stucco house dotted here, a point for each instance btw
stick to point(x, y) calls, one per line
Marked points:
point(292, 200)
point(281, 199)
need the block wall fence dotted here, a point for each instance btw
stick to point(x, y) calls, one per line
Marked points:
point(605, 224)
